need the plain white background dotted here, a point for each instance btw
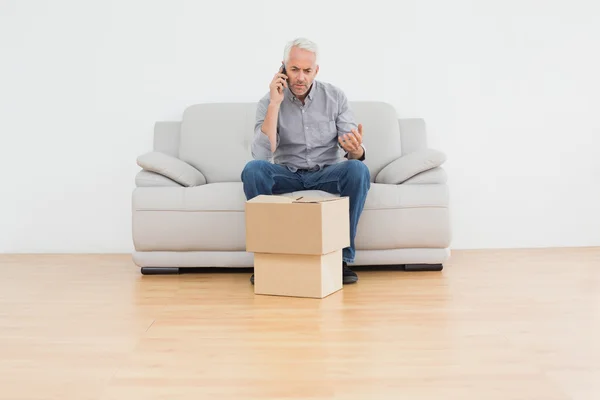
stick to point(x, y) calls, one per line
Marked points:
point(510, 91)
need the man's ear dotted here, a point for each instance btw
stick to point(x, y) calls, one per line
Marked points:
point(317, 70)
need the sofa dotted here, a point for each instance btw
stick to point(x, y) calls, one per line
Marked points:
point(188, 202)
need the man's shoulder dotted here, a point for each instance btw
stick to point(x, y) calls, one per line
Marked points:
point(263, 103)
point(330, 88)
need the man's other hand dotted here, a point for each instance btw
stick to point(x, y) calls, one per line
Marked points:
point(351, 142)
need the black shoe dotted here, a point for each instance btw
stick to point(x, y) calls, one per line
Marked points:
point(252, 279)
point(349, 276)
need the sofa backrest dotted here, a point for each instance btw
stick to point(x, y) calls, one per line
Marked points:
point(216, 137)
point(381, 133)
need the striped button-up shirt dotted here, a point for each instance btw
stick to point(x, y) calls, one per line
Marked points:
point(307, 134)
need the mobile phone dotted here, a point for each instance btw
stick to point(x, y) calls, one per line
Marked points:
point(283, 71)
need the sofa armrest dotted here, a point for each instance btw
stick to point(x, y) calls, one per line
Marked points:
point(432, 176)
point(172, 168)
point(409, 165)
point(152, 179)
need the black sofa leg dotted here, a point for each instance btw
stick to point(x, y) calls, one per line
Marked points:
point(160, 270)
point(423, 267)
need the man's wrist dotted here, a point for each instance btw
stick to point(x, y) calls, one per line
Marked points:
point(357, 155)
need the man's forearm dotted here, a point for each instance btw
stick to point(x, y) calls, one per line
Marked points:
point(269, 126)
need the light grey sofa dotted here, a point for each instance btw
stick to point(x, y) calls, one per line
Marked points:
point(188, 204)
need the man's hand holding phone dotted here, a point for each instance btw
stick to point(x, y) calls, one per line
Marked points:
point(269, 126)
point(276, 87)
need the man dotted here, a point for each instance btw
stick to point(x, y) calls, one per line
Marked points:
point(308, 130)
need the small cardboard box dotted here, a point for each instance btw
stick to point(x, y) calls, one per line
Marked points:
point(297, 244)
point(287, 225)
point(298, 275)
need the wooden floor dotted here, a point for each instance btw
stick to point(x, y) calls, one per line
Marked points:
point(510, 324)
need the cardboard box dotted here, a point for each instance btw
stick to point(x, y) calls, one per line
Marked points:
point(287, 225)
point(297, 244)
point(298, 275)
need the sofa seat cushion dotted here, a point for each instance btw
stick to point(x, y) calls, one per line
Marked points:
point(224, 196)
point(229, 196)
point(382, 196)
point(401, 216)
point(211, 217)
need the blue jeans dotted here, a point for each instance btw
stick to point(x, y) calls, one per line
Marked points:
point(348, 178)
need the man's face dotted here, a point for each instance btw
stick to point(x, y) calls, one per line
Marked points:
point(301, 71)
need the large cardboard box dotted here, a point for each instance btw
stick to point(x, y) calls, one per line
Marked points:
point(297, 244)
point(287, 225)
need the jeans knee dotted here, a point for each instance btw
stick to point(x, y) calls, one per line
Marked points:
point(358, 170)
point(253, 169)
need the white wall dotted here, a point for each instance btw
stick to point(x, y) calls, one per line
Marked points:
point(510, 91)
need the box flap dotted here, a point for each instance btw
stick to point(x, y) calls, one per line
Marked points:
point(315, 199)
point(265, 198)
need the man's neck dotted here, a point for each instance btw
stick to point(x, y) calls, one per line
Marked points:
point(304, 96)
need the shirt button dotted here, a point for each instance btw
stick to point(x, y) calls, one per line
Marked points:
point(302, 111)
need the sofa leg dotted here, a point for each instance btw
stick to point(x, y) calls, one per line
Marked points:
point(423, 267)
point(159, 270)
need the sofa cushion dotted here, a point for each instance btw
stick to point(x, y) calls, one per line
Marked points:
point(381, 133)
point(432, 176)
point(147, 178)
point(211, 217)
point(382, 197)
point(409, 165)
point(171, 167)
point(229, 196)
point(215, 138)
point(222, 196)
